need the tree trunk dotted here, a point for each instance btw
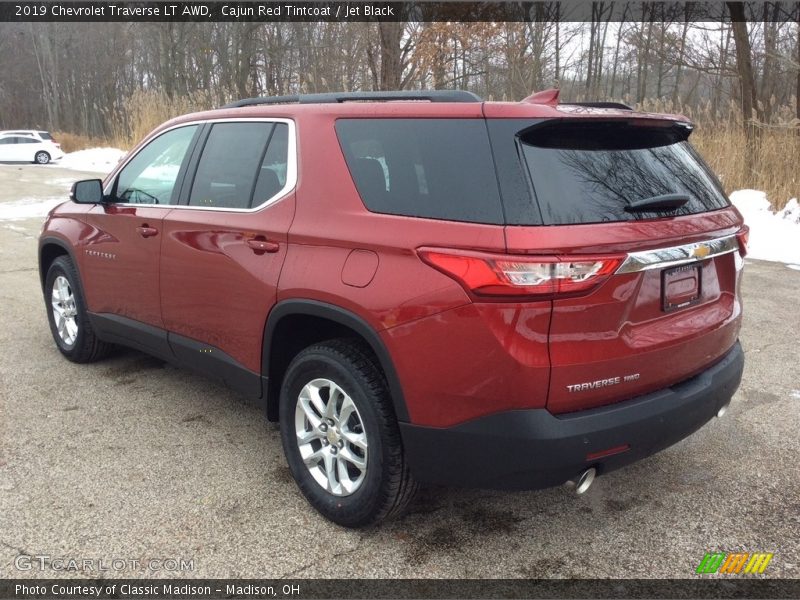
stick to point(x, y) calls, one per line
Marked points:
point(616, 54)
point(558, 49)
point(391, 61)
point(770, 49)
point(681, 54)
point(590, 59)
point(744, 67)
point(662, 35)
point(744, 62)
point(644, 58)
point(600, 55)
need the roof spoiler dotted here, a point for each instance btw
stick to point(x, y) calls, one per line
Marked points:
point(550, 98)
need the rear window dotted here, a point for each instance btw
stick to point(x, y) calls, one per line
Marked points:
point(589, 172)
point(45, 136)
point(433, 168)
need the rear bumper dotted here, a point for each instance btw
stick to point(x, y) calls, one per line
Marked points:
point(532, 449)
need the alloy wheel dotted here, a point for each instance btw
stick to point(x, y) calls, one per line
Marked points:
point(64, 310)
point(331, 437)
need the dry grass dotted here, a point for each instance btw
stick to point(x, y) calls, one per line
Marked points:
point(773, 166)
point(146, 110)
point(72, 142)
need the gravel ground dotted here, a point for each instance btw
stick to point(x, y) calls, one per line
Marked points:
point(134, 459)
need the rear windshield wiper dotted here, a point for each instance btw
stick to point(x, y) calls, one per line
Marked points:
point(664, 202)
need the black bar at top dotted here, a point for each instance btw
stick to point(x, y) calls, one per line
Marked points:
point(417, 11)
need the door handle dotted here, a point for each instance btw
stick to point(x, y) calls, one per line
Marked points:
point(145, 231)
point(261, 245)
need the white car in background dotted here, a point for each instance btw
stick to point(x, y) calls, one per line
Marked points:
point(19, 146)
point(45, 136)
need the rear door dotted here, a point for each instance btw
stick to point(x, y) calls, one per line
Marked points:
point(223, 248)
point(632, 190)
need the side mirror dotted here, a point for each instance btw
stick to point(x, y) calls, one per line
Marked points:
point(88, 191)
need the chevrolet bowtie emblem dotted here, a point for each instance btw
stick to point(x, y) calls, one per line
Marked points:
point(701, 251)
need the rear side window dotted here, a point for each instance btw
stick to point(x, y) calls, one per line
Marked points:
point(227, 169)
point(45, 136)
point(272, 175)
point(588, 172)
point(432, 168)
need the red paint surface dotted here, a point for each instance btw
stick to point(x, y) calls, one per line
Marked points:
point(458, 357)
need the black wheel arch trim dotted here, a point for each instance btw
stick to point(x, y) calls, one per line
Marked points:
point(55, 241)
point(337, 314)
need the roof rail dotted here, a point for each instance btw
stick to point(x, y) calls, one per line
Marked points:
point(335, 98)
point(617, 105)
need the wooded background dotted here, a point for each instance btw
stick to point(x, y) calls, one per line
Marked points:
point(115, 81)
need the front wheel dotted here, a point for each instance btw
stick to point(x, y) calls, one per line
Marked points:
point(66, 313)
point(41, 158)
point(340, 435)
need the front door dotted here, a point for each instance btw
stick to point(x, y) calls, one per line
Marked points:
point(121, 257)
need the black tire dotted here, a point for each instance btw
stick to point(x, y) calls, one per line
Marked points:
point(86, 346)
point(41, 158)
point(387, 485)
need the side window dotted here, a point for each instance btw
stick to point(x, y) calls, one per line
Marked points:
point(27, 140)
point(272, 175)
point(230, 163)
point(149, 178)
point(429, 168)
point(369, 165)
point(6, 141)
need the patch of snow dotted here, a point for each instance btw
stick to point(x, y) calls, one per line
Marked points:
point(65, 181)
point(95, 160)
point(28, 208)
point(790, 212)
point(796, 394)
point(774, 236)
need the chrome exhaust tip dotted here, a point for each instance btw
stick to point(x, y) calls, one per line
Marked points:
point(582, 483)
point(723, 410)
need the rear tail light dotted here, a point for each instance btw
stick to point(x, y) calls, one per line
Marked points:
point(504, 275)
point(743, 236)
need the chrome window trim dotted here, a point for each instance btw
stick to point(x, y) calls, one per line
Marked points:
point(291, 166)
point(673, 256)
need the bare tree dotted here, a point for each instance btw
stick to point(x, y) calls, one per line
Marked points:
point(744, 64)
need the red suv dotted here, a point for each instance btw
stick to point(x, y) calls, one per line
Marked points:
point(419, 286)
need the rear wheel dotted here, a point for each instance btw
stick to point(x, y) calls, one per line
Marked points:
point(41, 158)
point(66, 313)
point(340, 435)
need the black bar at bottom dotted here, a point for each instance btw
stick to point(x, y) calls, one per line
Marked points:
point(733, 586)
